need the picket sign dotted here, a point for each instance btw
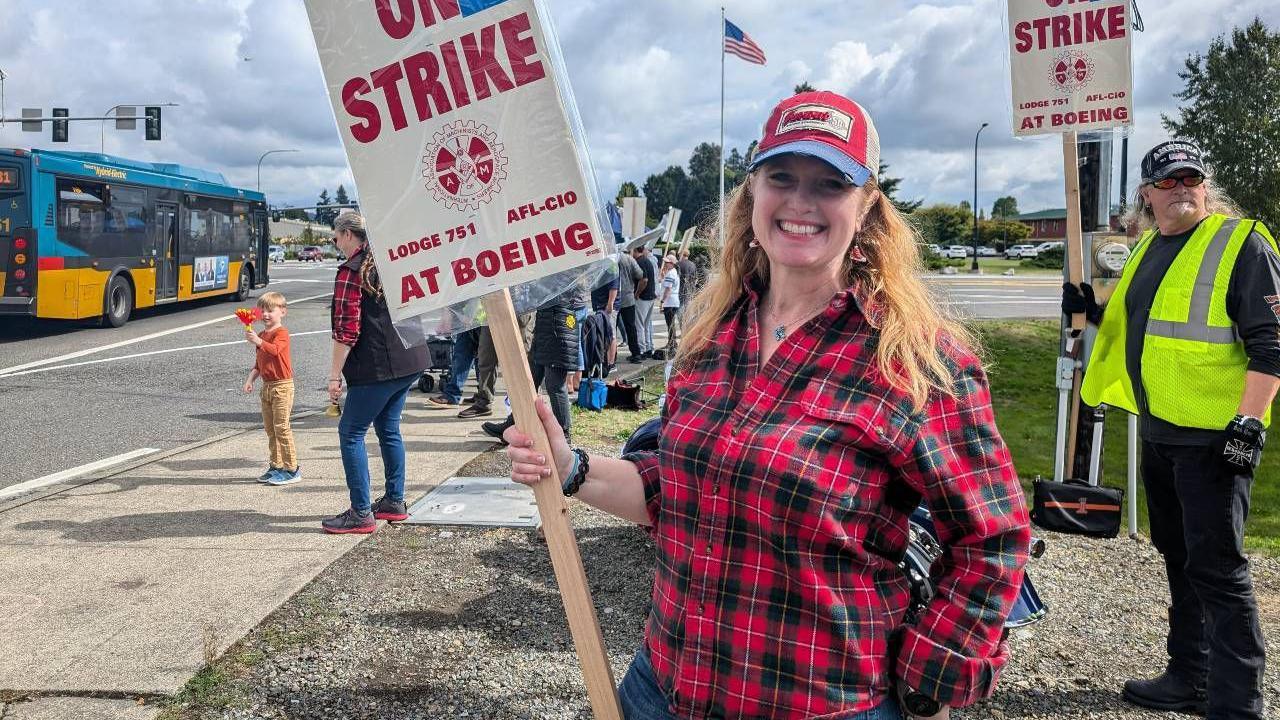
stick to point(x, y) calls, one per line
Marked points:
point(472, 172)
point(1070, 70)
point(1074, 258)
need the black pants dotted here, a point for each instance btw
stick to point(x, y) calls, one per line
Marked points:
point(671, 315)
point(1197, 523)
point(552, 379)
point(628, 316)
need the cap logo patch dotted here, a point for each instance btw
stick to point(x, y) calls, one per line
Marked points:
point(820, 118)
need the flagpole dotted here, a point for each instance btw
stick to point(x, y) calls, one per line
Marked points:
point(720, 232)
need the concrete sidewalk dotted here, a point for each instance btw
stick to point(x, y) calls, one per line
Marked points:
point(121, 586)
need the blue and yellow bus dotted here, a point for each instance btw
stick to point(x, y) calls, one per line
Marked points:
point(84, 235)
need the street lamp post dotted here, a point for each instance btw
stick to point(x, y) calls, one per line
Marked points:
point(974, 267)
point(260, 164)
point(102, 134)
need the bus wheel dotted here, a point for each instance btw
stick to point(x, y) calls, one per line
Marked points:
point(242, 287)
point(118, 303)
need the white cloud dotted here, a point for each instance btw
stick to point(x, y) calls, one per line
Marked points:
point(646, 77)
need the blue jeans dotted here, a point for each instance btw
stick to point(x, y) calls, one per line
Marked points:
point(378, 404)
point(642, 698)
point(465, 346)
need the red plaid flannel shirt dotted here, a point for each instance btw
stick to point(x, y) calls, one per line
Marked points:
point(346, 306)
point(779, 500)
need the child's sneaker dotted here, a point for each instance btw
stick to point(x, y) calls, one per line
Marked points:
point(385, 508)
point(271, 472)
point(286, 477)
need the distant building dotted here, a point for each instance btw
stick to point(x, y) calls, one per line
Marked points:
point(1052, 224)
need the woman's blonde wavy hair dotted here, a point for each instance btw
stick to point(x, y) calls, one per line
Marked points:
point(907, 315)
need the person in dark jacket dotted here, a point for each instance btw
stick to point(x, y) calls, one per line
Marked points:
point(379, 371)
point(553, 354)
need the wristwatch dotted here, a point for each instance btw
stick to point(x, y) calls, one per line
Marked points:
point(917, 703)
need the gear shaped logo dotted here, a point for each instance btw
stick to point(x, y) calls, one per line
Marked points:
point(1071, 71)
point(464, 165)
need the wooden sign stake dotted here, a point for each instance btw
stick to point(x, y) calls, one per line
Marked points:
point(552, 506)
point(1075, 273)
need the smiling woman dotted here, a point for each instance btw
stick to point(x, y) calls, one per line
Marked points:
point(819, 396)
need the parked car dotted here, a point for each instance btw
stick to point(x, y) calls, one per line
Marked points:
point(1049, 246)
point(275, 253)
point(1020, 251)
point(935, 249)
point(310, 253)
point(956, 252)
point(985, 251)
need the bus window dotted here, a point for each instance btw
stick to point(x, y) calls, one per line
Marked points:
point(197, 232)
point(82, 214)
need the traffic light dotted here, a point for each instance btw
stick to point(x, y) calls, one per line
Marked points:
point(153, 122)
point(60, 126)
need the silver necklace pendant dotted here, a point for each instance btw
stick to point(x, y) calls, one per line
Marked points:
point(780, 333)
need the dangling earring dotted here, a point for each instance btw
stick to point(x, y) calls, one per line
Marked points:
point(857, 255)
point(753, 244)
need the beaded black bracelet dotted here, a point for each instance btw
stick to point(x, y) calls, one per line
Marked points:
point(577, 475)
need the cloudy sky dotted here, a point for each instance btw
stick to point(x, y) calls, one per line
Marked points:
point(246, 78)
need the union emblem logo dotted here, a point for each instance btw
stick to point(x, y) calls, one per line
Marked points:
point(1071, 71)
point(464, 165)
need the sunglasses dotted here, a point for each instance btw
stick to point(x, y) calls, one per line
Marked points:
point(1170, 183)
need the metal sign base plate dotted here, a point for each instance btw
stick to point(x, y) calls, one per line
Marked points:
point(487, 501)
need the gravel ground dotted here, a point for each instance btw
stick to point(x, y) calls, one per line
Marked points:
point(428, 622)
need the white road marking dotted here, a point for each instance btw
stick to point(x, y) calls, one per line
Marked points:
point(90, 351)
point(75, 472)
point(145, 354)
point(1006, 302)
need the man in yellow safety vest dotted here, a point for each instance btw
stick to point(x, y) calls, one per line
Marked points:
point(1190, 342)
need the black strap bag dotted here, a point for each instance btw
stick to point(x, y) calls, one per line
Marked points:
point(1077, 508)
point(623, 395)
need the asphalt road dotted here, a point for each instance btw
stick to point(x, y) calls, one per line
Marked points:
point(987, 297)
point(72, 394)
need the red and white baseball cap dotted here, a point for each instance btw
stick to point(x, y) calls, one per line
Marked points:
point(827, 126)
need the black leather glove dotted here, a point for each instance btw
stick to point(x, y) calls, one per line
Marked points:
point(1081, 300)
point(1239, 447)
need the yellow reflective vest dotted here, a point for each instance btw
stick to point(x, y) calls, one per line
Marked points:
point(1193, 362)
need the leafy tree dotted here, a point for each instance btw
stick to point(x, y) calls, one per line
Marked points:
point(804, 87)
point(1005, 207)
point(1000, 233)
point(627, 190)
point(944, 224)
point(296, 214)
point(964, 205)
point(1231, 96)
point(340, 197)
point(889, 186)
point(666, 189)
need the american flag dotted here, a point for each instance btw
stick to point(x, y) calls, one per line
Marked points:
point(739, 43)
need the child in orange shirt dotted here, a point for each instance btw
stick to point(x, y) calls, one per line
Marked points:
point(275, 368)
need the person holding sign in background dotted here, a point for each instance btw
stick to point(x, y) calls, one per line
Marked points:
point(818, 397)
point(670, 301)
point(379, 371)
point(1190, 343)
